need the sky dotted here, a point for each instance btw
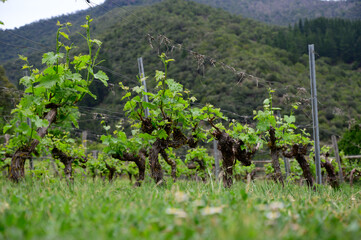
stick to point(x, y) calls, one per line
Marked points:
point(16, 13)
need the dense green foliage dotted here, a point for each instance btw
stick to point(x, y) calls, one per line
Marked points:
point(350, 142)
point(286, 132)
point(338, 39)
point(50, 99)
point(57, 88)
point(49, 208)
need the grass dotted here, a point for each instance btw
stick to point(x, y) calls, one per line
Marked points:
point(49, 209)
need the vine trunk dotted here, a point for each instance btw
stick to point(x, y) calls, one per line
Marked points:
point(17, 165)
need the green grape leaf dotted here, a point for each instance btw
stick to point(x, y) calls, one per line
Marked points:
point(6, 128)
point(48, 81)
point(162, 134)
point(92, 95)
point(159, 75)
point(26, 81)
point(149, 105)
point(128, 94)
point(76, 77)
point(81, 89)
point(74, 119)
point(97, 42)
point(64, 35)
point(137, 89)
point(174, 86)
point(289, 119)
point(50, 58)
point(81, 61)
point(40, 122)
point(100, 75)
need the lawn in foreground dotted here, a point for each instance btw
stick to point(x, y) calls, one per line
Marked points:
point(50, 209)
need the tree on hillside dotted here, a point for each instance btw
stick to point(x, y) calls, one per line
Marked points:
point(337, 39)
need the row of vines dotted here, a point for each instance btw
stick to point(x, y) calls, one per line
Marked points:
point(174, 126)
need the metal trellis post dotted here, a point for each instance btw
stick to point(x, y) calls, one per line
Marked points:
point(316, 137)
point(287, 166)
point(84, 137)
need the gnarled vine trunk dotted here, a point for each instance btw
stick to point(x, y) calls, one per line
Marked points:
point(141, 166)
point(17, 166)
point(231, 150)
point(244, 156)
point(352, 175)
point(155, 168)
point(138, 160)
point(299, 151)
point(332, 176)
point(66, 160)
point(274, 156)
point(202, 168)
point(112, 170)
point(226, 145)
point(160, 145)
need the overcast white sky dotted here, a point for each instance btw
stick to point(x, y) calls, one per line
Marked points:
point(16, 13)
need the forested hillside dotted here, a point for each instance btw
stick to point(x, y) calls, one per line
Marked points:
point(280, 12)
point(284, 12)
point(212, 49)
point(338, 39)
